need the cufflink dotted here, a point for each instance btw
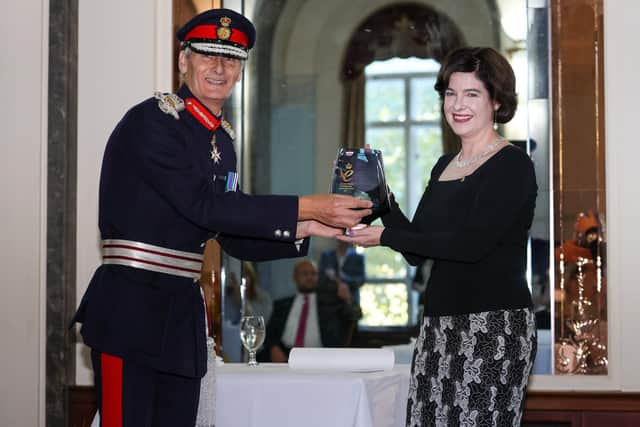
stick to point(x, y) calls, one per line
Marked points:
point(299, 244)
point(278, 233)
point(286, 234)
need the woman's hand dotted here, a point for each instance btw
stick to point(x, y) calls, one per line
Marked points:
point(365, 237)
point(314, 228)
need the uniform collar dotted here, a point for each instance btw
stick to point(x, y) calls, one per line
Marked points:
point(202, 114)
point(198, 110)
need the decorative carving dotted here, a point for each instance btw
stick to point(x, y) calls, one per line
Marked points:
point(400, 31)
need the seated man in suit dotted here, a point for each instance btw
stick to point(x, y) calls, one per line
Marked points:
point(343, 264)
point(304, 321)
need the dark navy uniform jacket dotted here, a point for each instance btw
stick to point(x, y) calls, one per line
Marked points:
point(157, 186)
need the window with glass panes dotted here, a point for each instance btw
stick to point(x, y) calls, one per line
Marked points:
point(402, 118)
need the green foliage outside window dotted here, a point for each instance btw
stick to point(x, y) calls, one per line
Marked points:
point(428, 150)
point(391, 141)
point(384, 305)
point(384, 100)
point(425, 101)
point(385, 263)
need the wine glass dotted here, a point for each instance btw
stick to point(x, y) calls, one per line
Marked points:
point(252, 334)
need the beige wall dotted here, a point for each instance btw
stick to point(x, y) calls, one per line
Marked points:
point(118, 55)
point(23, 124)
point(622, 93)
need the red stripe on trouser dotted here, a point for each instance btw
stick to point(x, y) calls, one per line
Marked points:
point(111, 368)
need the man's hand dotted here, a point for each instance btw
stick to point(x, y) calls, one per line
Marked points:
point(343, 292)
point(314, 228)
point(365, 237)
point(277, 355)
point(335, 210)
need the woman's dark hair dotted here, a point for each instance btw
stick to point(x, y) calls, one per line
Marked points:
point(491, 68)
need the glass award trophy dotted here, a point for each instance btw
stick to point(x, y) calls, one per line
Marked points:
point(359, 172)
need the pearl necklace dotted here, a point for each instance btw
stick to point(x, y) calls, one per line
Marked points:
point(491, 147)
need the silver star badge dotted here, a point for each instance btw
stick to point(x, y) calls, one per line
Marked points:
point(216, 156)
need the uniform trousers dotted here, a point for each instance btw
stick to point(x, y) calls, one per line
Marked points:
point(129, 394)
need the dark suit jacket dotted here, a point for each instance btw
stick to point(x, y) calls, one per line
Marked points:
point(330, 318)
point(352, 272)
point(157, 186)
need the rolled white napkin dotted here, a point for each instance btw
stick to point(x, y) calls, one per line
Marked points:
point(342, 359)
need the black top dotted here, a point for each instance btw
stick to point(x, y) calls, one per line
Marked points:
point(476, 230)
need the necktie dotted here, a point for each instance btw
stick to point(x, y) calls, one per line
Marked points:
point(302, 323)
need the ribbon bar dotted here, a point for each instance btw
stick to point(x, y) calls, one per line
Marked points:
point(151, 257)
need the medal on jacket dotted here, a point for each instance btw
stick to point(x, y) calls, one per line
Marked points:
point(232, 182)
point(209, 121)
point(215, 153)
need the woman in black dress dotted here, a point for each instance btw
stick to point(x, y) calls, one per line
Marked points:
point(477, 341)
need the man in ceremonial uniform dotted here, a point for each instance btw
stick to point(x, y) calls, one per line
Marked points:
point(168, 184)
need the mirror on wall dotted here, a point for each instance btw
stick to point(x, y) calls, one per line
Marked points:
point(579, 201)
point(328, 74)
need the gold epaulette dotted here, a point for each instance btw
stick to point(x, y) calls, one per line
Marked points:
point(228, 129)
point(169, 103)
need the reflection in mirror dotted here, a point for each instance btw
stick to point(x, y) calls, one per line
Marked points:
point(330, 74)
point(333, 73)
point(243, 296)
point(232, 288)
point(533, 118)
point(579, 190)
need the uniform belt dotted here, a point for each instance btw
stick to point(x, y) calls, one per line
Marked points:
point(152, 258)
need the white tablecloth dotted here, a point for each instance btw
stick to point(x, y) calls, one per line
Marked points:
point(272, 395)
point(403, 353)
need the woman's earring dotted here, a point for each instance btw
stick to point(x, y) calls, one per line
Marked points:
point(495, 124)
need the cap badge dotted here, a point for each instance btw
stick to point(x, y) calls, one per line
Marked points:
point(223, 33)
point(169, 103)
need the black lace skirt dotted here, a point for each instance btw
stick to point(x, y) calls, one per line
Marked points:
point(472, 369)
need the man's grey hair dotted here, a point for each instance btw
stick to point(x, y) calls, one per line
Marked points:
point(187, 52)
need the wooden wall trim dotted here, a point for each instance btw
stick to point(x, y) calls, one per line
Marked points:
point(210, 280)
point(582, 401)
point(540, 406)
point(82, 405)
